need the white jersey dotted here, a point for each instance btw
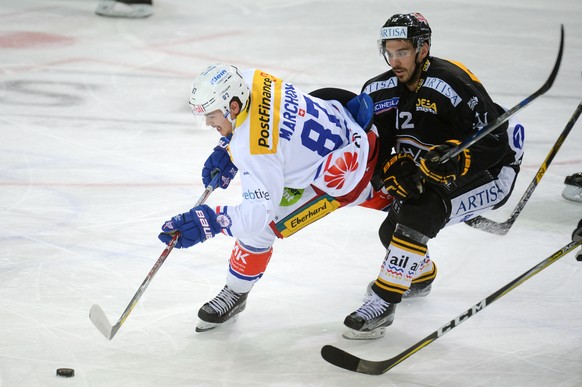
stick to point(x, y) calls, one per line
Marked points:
point(285, 138)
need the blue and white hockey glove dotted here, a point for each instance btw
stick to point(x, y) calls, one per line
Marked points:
point(219, 162)
point(195, 226)
point(361, 108)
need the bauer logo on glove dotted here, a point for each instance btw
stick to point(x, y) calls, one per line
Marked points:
point(195, 226)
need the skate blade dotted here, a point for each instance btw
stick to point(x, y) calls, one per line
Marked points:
point(204, 326)
point(352, 334)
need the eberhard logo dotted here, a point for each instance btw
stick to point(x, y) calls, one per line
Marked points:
point(317, 211)
point(310, 215)
point(265, 113)
point(305, 215)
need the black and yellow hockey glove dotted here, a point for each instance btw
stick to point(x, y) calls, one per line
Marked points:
point(401, 177)
point(450, 170)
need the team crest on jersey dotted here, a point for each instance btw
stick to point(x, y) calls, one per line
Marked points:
point(335, 176)
point(224, 220)
point(473, 102)
point(480, 121)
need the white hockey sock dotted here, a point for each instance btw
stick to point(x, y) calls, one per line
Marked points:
point(403, 259)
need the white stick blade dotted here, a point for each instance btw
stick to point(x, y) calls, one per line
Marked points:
point(100, 321)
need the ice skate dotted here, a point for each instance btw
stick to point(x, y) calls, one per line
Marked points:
point(224, 307)
point(370, 320)
point(125, 9)
point(573, 189)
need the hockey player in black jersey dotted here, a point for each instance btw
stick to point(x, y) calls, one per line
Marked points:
point(427, 104)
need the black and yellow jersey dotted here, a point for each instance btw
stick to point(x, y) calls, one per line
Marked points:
point(449, 103)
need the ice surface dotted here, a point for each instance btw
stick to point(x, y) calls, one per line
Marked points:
point(98, 147)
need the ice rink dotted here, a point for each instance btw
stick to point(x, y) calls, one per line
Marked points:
point(98, 148)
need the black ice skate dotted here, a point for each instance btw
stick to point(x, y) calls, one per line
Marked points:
point(573, 189)
point(226, 305)
point(370, 321)
point(125, 8)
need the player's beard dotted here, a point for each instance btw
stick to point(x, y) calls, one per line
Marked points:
point(409, 78)
point(415, 76)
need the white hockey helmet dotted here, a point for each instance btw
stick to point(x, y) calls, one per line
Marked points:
point(216, 87)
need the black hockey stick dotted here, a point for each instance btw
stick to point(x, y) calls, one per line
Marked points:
point(343, 359)
point(97, 315)
point(479, 134)
point(502, 228)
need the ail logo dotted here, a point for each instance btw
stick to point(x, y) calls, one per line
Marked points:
point(335, 176)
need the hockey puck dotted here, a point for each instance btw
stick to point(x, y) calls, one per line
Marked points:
point(66, 372)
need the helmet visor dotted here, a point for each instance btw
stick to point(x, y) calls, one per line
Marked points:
point(214, 120)
point(207, 121)
point(399, 54)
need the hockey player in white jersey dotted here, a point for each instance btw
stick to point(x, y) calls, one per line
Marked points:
point(298, 157)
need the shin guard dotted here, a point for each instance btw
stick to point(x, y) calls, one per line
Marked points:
point(427, 271)
point(246, 266)
point(404, 258)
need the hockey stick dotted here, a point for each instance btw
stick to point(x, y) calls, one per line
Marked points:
point(343, 359)
point(502, 228)
point(479, 134)
point(97, 315)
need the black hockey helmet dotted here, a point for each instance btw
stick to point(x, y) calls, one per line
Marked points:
point(409, 26)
